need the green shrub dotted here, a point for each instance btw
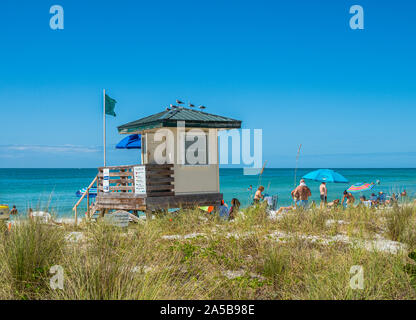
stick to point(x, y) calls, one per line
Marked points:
point(28, 252)
point(401, 225)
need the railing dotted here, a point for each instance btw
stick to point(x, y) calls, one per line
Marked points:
point(159, 180)
point(86, 193)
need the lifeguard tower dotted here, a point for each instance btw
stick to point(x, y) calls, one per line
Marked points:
point(167, 177)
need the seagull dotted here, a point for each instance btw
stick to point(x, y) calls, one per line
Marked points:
point(168, 109)
point(173, 107)
point(179, 102)
point(202, 107)
point(191, 105)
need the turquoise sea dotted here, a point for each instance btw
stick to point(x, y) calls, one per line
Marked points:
point(54, 189)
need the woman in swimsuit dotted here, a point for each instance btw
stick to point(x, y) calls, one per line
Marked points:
point(235, 206)
point(350, 198)
point(259, 194)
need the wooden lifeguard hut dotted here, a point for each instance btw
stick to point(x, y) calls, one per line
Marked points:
point(177, 182)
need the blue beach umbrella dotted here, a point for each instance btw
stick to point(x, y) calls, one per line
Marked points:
point(325, 175)
point(133, 141)
point(93, 192)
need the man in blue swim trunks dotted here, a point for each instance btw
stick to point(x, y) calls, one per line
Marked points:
point(301, 193)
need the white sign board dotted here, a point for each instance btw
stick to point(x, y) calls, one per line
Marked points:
point(139, 180)
point(106, 180)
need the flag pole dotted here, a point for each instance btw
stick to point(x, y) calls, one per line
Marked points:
point(296, 168)
point(104, 124)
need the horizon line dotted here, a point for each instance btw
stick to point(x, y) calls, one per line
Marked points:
point(14, 168)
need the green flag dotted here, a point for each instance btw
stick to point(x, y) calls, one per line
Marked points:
point(110, 104)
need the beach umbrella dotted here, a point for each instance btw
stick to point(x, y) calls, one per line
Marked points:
point(359, 187)
point(131, 142)
point(325, 175)
point(80, 193)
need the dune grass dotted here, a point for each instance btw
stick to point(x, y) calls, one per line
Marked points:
point(191, 255)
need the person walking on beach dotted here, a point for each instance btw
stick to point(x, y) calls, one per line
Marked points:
point(323, 192)
point(301, 193)
point(259, 195)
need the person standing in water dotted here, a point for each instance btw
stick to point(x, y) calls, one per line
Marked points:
point(323, 192)
point(259, 195)
point(14, 211)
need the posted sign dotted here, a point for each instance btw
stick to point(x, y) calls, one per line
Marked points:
point(117, 219)
point(139, 180)
point(106, 180)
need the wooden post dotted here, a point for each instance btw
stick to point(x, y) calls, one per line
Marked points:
point(148, 215)
point(122, 178)
point(104, 125)
point(83, 196)
point(88, 203)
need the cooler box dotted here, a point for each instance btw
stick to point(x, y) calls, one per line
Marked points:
point(4, 212)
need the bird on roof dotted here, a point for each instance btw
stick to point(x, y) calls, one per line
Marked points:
point(167, 109)
point(179, 102)
point(173, 107)
point(202, 107)
point(191, 105)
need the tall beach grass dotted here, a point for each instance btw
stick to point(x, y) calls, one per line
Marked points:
point(192, 255)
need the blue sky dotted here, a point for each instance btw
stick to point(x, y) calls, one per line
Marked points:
point(292, 68)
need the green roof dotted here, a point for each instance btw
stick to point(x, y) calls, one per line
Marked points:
point(169, 118)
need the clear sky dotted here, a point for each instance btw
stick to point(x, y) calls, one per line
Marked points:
point(292, 68)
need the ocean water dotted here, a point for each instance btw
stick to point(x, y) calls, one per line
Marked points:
point(54, 189)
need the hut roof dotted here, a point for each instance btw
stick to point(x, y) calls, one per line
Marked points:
point(169, 118)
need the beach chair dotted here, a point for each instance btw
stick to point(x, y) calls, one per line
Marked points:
point(271, 202)
point(41, 216)
point(367, 203)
